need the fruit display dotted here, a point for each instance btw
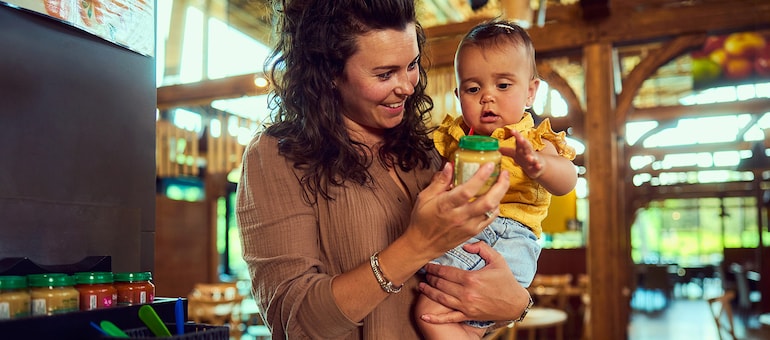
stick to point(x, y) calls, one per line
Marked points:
point(730, 59)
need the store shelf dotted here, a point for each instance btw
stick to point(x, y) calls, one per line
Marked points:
point(76, 325)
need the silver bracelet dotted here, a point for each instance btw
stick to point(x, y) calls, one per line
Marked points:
point(385, 284)
point(526, 310)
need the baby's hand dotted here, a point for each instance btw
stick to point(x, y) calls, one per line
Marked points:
point(526, 157)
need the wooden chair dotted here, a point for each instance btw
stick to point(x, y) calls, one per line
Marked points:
point(719, 306)
point(216, 304)
point(551, 290)
point(585, 306)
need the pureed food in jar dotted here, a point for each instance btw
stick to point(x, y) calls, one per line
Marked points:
point(134, 288)
point(96, 290)
point(475, 151)
point(53, 294)
point(14, 298)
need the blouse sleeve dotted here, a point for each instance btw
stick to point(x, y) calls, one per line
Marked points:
point(545, 132)
point(279, 235)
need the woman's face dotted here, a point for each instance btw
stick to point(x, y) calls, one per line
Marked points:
point(495, 85)
point(377, 80)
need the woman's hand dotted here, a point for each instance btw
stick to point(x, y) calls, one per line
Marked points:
point(490, 293)
point(444, 217)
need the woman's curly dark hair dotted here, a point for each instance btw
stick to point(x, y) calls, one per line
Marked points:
point(314, 39)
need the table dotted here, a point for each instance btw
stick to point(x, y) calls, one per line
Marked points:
point(537, 318)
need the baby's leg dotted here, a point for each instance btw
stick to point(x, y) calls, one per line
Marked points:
point(459, 258)
point(454, 330)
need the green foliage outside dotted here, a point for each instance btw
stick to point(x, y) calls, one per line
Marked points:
point(694, 232)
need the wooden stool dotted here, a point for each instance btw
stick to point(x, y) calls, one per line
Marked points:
point(216, 304)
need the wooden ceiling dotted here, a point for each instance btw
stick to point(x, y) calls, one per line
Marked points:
point(635, 27)
point(254, 17)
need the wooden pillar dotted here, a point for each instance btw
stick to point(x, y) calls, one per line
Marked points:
point(763, 267)
point(216, 187)
point(606, 260)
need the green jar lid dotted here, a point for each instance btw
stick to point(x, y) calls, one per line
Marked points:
point(131, 277)
point(479, 143)
point(51, 280)
point(12, 282)
point(91, 278)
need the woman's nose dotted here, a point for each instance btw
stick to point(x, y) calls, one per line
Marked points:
point(405, 85)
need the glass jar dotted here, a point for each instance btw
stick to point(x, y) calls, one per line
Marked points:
point(475, 151)
point(134, 288)
point(96, 290)
point(53, 294)
point(14, 298)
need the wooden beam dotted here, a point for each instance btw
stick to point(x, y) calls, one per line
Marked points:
point(668, 113)
point(659, 152)
point(656, 173)
point(646, 68)
point(204, 92)
point(575, 114)
point(629, 23)
point(701, 190)
point(608, 288)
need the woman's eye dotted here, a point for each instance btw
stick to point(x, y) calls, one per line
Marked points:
point(386, 75)
point(413, 65)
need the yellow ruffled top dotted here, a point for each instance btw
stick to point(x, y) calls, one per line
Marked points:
point(526, 200)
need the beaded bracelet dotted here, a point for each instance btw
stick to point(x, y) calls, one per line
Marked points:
point(385, 284)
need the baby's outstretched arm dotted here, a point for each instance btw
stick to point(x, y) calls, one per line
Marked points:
point(554, 172)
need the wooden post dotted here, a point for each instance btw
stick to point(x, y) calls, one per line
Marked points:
point(517, 11)
point(606, 261)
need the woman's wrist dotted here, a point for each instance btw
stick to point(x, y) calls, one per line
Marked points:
point(386, 285)
point(399, 261)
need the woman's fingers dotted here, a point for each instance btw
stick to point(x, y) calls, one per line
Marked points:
point(477, 294)
point(461, 194)
point(451, 317)
point(440, 183)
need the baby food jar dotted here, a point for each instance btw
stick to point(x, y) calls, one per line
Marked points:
point(475, 151)
point(134, 288)
point(53, 294)
point(14, 298)
point(96, 290)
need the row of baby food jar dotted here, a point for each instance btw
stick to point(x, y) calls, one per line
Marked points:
point(58, 293)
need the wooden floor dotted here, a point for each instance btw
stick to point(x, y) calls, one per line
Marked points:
point(685, 317)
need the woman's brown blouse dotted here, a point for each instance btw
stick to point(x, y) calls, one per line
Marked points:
point(294, 249)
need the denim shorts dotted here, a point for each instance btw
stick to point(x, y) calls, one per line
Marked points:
point(517, 243)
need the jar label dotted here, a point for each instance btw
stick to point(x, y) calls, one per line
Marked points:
point(93, 302)
point(39, 307)
point(5, 311)
point(468, 170)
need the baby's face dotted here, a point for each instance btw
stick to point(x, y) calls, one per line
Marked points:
point(494, 86)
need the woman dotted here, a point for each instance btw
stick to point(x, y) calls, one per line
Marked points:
point(332, 225)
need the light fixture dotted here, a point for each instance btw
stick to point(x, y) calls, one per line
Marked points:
point(518, 11)
point(260, 82)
